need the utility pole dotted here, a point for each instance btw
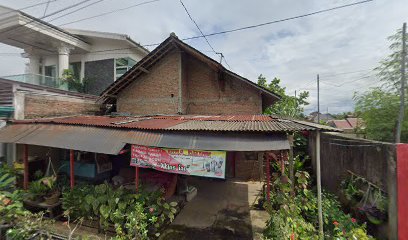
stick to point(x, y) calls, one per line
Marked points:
point(318, 100)
point(402, 96)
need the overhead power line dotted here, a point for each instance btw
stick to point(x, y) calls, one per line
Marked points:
point(281, 20)
point(30, 6)
point(48, 15)
point(76, 10)
point(217, 33)
point(110, 12)
point(202, 34)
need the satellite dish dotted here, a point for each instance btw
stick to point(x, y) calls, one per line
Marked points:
point(2, 123)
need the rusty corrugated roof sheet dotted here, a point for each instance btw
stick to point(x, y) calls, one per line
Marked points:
point(111, 141)
point(236, 123)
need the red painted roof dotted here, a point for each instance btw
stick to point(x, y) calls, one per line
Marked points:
point(342, 124)
point(263, 123)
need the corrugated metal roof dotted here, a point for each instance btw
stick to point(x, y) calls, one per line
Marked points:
point(61, 136)
point(111, 141)
point(237, 123)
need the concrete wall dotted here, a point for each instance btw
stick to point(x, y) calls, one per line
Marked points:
point(100, 75)
point(155, 92)
point(203, 90)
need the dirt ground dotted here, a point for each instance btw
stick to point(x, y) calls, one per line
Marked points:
point(221, 210)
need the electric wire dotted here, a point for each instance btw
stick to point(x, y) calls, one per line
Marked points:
point(215, 33)
point(76, 10)
point(46, 7)
point(48, 15)
point(110, 12)
point(28, 7)
point(202, 34)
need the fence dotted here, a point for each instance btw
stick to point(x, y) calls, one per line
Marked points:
point(375, 161)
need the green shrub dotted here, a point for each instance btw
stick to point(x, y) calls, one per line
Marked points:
point(129, 213)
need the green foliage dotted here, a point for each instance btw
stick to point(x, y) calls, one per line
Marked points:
point(295, 216)
point(74, 84)
point(289, 105)
point(42, 187)
point(11, 207)
point(389, 69)
point(129, 213)
point(7, 178)
point(28, 226)
point(379, 107)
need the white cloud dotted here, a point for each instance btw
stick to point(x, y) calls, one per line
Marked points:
point(344, 40)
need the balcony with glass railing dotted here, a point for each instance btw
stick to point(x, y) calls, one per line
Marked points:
point(36, 79)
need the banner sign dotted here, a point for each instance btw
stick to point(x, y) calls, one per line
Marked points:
point(181, 161)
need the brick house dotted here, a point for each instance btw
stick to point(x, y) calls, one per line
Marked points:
point(178, 79)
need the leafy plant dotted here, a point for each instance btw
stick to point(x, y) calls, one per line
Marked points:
point(28, 226)
point(11, 207)
point(295, 217)
point(145, 212)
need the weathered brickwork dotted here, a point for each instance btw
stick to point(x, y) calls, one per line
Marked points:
point(204, 90)
point(155, 92)
point(37, 106)
point(247, 165)
point(211, 93)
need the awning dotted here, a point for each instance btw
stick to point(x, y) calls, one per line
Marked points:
point(111, 141)
point(67, 137)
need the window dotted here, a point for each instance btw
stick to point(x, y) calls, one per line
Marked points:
point(50, 71)
point(123, 65)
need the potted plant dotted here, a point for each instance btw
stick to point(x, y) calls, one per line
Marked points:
point(44, 190)
point(52, 193)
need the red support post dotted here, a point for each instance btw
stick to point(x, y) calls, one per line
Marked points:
point(268, 178)
point(26, 170)
point(71, 169)
point(137, 178)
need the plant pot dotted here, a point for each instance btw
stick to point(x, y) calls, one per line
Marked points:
point(53, 198)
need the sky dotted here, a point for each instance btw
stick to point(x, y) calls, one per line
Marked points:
point(342, 46)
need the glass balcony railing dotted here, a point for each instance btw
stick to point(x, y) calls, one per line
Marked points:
point(37, 79)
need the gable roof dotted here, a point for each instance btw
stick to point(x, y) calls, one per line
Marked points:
point(172, 42)
point(108, 35)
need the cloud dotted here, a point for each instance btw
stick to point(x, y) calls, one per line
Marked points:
point(345, 40)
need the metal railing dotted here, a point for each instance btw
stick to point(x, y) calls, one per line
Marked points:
point(37, 79)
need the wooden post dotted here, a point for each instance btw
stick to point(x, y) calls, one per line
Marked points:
point(26, 170)
point(71, 168)
point(319, 185)
point(291, 169)
point(268, 178)
point(137, 178)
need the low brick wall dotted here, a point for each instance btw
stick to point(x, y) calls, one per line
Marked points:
point(37, 106)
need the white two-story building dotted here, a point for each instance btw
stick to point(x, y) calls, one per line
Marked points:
point(98, 57)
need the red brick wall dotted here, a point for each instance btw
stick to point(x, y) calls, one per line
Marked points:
point(247, 165)
point(156, 92)
point(36, 106)
point(153, 92)
point(209, 95)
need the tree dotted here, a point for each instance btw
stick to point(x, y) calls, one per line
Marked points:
point(389, 69)
point(289, 105)
point(379, 106)
point(379, 109)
